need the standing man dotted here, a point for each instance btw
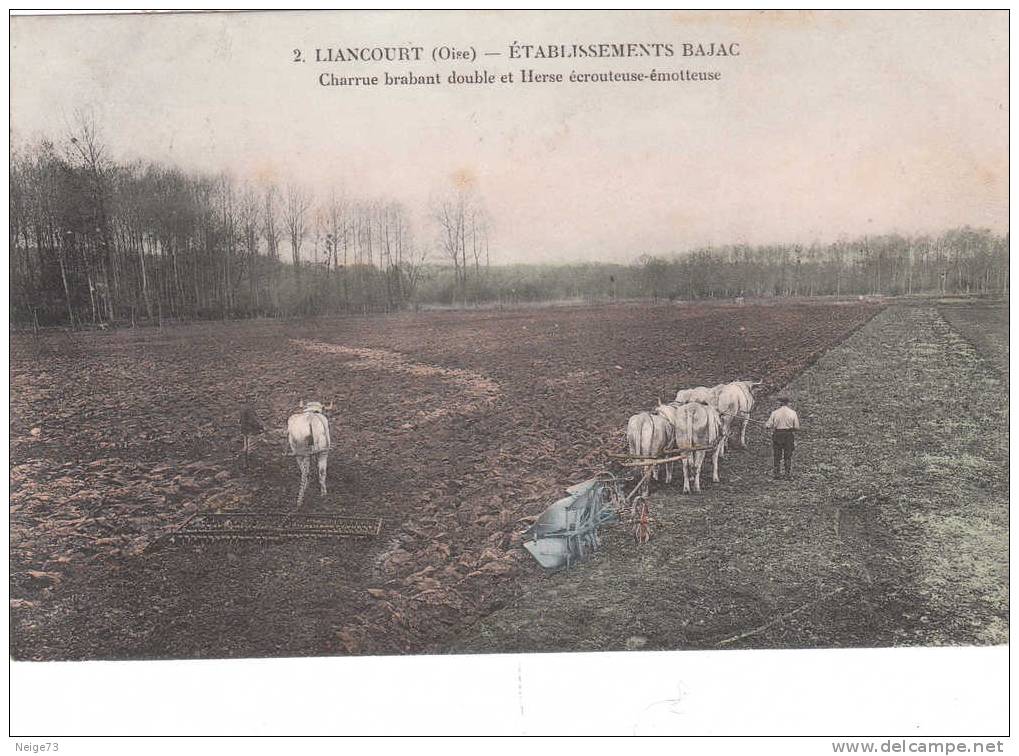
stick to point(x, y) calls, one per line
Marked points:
point(783, 422)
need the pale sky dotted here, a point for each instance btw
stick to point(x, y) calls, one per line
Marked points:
point(828, 124)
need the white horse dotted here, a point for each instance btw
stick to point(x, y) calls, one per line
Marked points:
point(649, 434)
point(308, 435)
point(736, 402)
point(697, 426)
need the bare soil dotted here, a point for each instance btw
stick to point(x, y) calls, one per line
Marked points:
point(893, 530)
point(457, 427)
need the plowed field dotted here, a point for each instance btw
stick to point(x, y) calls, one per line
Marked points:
point(458, 428)
point(893, 530)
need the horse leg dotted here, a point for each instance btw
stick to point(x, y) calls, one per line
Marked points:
point(323, 460)
point(698, 460)
point(304, 464)
point(686, 476)
point(743, 432)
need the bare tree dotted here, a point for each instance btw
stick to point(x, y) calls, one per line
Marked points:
point(295, 212)
point(88, 153)
point(479, 238)
point(464, 237)
point(249, 221)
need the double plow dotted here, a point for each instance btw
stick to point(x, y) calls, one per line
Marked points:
point(567, 531)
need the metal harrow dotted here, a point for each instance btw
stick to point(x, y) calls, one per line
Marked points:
point(271, 526)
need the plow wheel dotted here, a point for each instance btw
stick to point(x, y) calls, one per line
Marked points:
point(642, 531)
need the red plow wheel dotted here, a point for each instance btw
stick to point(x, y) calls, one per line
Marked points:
point(642, 531)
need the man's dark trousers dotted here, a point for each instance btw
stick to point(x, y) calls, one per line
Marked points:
point(782, 445)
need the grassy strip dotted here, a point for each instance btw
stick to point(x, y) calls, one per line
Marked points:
point(899, 503)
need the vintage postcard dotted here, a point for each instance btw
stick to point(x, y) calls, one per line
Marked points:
point(389, 333)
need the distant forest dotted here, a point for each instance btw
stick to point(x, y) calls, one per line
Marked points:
point(97, 241)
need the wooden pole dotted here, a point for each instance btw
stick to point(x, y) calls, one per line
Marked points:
point(780, 618)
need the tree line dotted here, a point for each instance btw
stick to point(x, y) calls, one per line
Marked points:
point(95, 241)
point(959, 261)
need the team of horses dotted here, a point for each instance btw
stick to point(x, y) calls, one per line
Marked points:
point(698, 422)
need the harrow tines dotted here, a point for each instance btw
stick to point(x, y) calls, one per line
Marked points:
point(259, 526)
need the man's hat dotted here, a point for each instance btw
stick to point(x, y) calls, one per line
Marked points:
point(783, 399)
